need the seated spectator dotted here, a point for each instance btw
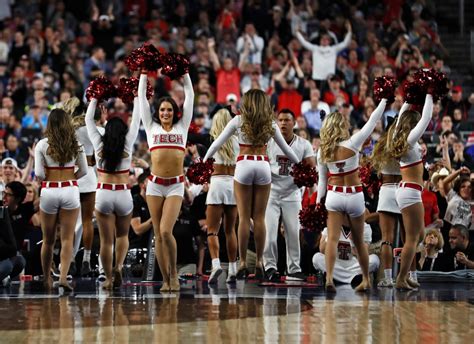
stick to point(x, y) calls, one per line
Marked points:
point(20, 213)
point(15, 151)
point(459, 157)
point(141, 219)
point(35, 118)
point(461, 255)
point(460, 124)
point(431, 257)
point(347, 267)
point(311, 110)
point(11, 264)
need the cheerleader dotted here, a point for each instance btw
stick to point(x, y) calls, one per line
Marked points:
point(403, 146)
point(87, 184)
point(113, 203)
point(220, 200)
point(338, 161)
point(387, 207)
point(166, 135)
point(252, 176)
point(55, 159)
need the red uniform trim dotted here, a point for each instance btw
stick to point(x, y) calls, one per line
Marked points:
point(167, 147)
point(59, 184)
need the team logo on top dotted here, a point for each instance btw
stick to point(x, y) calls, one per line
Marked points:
point(340, 166)
point(284, 163)
point(168, 138)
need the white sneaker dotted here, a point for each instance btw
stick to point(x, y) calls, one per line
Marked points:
point(214, 276)
point(386, 283)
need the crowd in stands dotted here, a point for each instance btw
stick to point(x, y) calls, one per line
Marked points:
point(308, 56)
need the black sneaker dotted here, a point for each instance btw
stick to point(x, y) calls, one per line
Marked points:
point(242, 273)
point(86, 268)
point(272, 275)
point(72, 269)
point(296, 276)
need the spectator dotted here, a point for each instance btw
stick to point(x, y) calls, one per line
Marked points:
point(459, 158)
point(462, 250)
point(11, 264)
point(335, 91)
point(431, 257)
point(141, 219)
point(313, 110)
point(15, 151)
point(95, 65)
point(457, 101)
point(254, 43)
point(228, 76)
point(324, 55)
point(458, 197)
point(20, 213)
point(35, 118)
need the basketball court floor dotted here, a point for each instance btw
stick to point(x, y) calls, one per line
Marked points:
point(243, 313)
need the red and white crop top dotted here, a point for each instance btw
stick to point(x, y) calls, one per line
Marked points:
point(157, 137)
point(96, 138)
point(414, 154)
point(354, 143)
point(43, 161)
point(83, 138)
point(235, 125)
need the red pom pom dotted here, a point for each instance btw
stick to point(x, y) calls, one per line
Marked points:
point(313, 218)
point(426, 81)
point(384, 87)
point(369, 179)
point(200, 172)
point(101, 88)
point(175, 65)
point(146, 57)
point(304, 175)
point(128, 87)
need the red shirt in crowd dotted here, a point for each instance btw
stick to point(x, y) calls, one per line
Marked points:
point(228, 81)
point(290, 99)
point(330, 97)
point(430, 203)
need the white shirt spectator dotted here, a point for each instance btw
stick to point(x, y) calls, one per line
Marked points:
point(255, 42)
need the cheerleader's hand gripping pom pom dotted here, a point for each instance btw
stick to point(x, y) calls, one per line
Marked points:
point(101, 88)
point(175, 65)
point(146, 57)
point(384, 87)
point(128, 87)
point(426, 82)
point(313, 218)
point(304, 175)
point(200, 172)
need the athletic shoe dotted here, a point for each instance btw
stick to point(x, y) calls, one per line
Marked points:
point(272, 275)
point(86, 268)
point(385, 283)
point(72, 269)
point(231, 278)
point(6, 282)
point(215, 273)
point(297, 276)
point(242, 273)
point(101, 277)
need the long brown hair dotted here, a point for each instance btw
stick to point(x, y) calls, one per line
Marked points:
point(397, 144)
point(63, 145)
point(257, 117)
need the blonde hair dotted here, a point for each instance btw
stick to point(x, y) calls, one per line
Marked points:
point(437, 234)
point(71, 106)
point(257, 117)
point(219, 121)
point(380, 158)
point(397, 141)
point(334, 130)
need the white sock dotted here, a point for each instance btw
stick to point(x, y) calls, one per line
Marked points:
point(87, 256)
point(232, 268)
point(216, 263)
point(413, 276)
point(387, 273)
